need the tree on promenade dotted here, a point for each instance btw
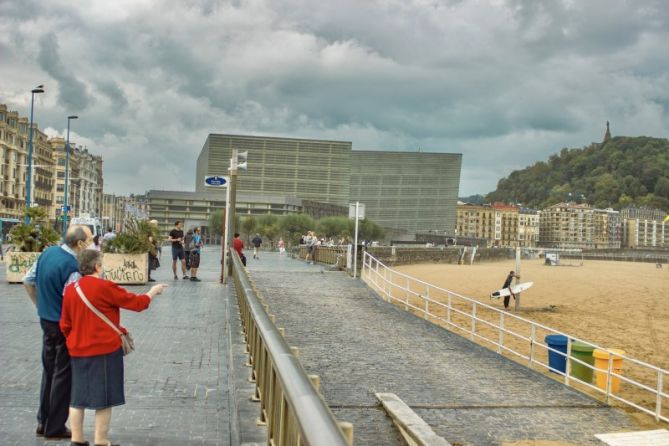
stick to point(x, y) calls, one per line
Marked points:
point(248, 226)
point(294, 226)
point(335, 227)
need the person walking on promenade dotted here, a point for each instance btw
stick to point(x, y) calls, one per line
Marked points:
point(188, 247)
point(256, 242)
point(238, 245)
point(282, 247)
point(94, 346)
point(55, 268)
point(177, 237)
point(195, 255)
point(507, 284)
point(310, 242)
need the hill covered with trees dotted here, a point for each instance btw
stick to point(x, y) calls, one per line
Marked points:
point(620, 172)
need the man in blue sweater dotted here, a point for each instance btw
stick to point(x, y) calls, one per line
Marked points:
point(55, 268)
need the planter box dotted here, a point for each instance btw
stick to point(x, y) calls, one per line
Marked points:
point(126, 269)
point(17, 265)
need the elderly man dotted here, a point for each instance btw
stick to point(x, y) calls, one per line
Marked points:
point(55, 268)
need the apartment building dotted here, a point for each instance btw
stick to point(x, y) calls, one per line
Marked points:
point(528, 227)
point(506, 225)
point(475, 221)
point(500, 224)
point(14, 142)
point(608, 229)
point(48, 172)
point(73, 189)
point(89, 180)
point(646, 233)
point(642, 227)
point(567, 225)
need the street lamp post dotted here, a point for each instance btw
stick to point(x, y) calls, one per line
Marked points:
point(39, 89)
point(67, 173)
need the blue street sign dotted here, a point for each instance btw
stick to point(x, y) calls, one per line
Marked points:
point(216, 181)
point(66, 208)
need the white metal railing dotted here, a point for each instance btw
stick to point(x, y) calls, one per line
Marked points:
point(521, 338)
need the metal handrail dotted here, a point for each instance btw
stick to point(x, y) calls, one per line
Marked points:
point(294, 411)
point(375, 271)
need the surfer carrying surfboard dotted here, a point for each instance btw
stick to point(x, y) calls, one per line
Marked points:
point(507, 284)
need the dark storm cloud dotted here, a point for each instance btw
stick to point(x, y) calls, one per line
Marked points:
point(506, 83)
point(72, 90)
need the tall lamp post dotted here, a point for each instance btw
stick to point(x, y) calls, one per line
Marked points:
point(67, 173)
point(39, 89)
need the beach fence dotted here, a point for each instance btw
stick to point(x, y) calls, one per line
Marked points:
point(610, 374)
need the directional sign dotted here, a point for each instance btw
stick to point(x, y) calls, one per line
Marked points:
point(361, 211)
point(216, 181)
point(66, 208)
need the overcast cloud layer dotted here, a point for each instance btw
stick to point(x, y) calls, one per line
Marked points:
point(505, 83)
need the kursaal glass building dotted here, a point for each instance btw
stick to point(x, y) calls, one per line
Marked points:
point(410, 191)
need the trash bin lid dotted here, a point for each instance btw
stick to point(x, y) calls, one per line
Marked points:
point(577, 346)
point(556, 339)
point(604, 354)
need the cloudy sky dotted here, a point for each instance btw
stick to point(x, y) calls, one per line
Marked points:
point(505, 83)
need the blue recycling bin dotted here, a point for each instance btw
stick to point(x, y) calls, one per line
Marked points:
point(556, 361)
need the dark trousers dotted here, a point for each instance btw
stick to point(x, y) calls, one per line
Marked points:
point(54, 403)
point(506, 301)
point(187, 256)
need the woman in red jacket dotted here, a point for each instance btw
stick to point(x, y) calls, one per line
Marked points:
point(94, 346)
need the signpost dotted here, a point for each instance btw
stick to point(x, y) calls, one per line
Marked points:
point(356, 210)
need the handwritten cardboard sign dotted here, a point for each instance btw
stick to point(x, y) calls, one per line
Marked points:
point(126, 268)
point(18, 263)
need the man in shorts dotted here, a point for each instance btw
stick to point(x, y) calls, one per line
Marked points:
point(256, 242)
point(176, 236)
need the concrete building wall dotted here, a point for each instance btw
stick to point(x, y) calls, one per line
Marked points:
point(416, 191)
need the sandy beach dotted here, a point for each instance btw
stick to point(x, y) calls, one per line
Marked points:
point(612, 304)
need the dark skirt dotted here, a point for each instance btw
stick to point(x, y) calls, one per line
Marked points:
point(97, 381)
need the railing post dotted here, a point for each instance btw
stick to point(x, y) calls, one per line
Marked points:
point(406, 292)
point(658, 401)
point(501, 333)
point(427, 304)
point(471, 335)
point(347, 429)
point(567, 369)
point(448, 309)
point(608, 378)
point(533, 336)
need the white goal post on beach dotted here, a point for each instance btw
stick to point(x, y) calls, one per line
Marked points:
point(554, 256)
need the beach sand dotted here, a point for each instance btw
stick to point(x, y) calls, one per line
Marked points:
point(612, 304)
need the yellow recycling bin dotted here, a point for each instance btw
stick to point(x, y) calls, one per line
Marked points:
point(602, 363)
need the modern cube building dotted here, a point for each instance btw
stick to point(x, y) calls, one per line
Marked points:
point(310, 169)
point(415, 191)
point(410, 191)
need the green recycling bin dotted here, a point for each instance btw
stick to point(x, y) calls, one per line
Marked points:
point(582, 352)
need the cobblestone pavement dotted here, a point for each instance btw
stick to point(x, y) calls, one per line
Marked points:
point(185, 383)
point(360, 345)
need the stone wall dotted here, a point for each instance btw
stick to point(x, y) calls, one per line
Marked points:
point(408, 256)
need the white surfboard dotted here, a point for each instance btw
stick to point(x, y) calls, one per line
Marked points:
point(516, 289)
